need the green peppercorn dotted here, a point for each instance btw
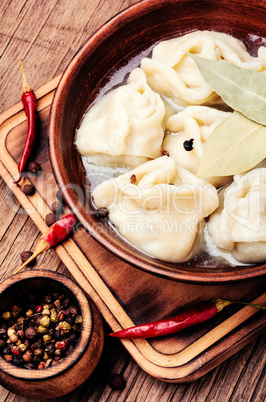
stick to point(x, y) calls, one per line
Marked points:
point(78, 319)
point(53, 316)
point(7, 315)
point(45, 321)
point(10, 332)
point(46, 311)
point(45, 356)
point(47, 338)
point(20, 320)
point(57, 352)
point(65, 326)
point(42, 329)
point(13, 338)
point(29, 313)
point(22, 347)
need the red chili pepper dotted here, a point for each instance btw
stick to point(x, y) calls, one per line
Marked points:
point(201, 312)
point(53, 236)
point(29, 104)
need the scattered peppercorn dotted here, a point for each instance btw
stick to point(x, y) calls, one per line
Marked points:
point(188, 144)
point(6, 315)
point(165, 153)
point(133, 179)
point(31, 334)
point(60, 197)
point(117, 382)
point(25, 256)
point(28, 189)
point(102, 213)
point(50, 219)
point(34, 167)
point(57, 208)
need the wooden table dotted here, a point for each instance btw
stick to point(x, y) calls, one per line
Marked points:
point(46, 34)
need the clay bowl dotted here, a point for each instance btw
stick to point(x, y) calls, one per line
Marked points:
point(74, 369)
point(102, 62)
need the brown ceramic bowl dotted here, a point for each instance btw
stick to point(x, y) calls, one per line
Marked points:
point(122, 39)
point(74, 369)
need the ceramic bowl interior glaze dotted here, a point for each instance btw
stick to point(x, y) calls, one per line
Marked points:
point(115, 49)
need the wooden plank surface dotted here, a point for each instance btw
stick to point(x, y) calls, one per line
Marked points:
point(46, 34)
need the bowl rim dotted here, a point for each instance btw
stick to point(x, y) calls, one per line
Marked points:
point(173, 271)
point(85, 336)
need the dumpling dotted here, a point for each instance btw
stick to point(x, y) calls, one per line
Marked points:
point(197, 123)
point(239, 224)
point(127, 122)
point(158, 208)
point(171, 72)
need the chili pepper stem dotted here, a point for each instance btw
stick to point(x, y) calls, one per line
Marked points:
point(220, 304)
point(42, 245)
point(25, 85)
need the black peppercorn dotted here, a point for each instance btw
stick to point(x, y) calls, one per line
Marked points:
point(17, 360)
point(25, 256)
point(117, 382)
point(70, 320)
point(5, 351)
point(102, 213)
point(49, 348)
point(50, 219)
point(36, 359)
point(34, 167)
point(57, 208)
point(30, 333)
point(133, 179)
point(28, 189)
point(165, 153)
point(73, 310)
point(2, 332)
point(188, 144)
point(60, 198)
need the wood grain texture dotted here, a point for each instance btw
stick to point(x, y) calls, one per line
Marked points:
point(175, 358)
point(242, 376)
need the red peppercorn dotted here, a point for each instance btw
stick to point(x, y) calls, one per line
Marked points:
point(15, 350)
point(61, 345)
point(38, 309)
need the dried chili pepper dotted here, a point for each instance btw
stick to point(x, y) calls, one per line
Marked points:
point(53, 236)
point(199, 313)
point(29, 104)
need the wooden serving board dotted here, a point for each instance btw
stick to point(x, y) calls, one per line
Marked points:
point(125, 295)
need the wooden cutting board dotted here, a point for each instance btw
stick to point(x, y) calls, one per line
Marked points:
point(125, 295)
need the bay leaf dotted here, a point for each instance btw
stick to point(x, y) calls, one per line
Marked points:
point(240, 88)
point(235, 146)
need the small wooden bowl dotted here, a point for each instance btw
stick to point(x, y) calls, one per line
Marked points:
point(74, 369)
point(118, 47)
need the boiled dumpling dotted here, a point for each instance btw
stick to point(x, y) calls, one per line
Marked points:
point(171, 72)
point(127, 122)
point(239, 224)
point(158, 207)
point(197, 123)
